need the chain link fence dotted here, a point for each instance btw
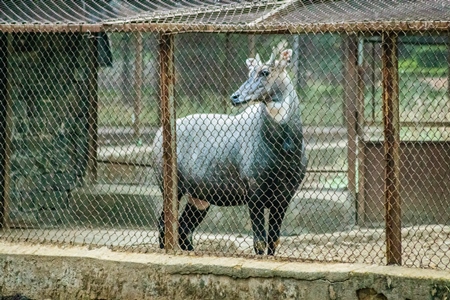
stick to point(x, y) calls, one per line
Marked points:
point(287, 144)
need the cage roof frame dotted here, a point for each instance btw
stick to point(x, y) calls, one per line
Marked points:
point(271, 16)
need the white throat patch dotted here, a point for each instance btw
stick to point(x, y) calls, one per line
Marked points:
point(279, 111)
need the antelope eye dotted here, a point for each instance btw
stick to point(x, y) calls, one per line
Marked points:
point(264, 73)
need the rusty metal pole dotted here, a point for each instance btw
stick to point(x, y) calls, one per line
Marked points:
point(93, 107)
point(170, 206)
point(360, 123)
point(226, 84)
point(448, 70)
point(137, 103)
point(391, 148)
point(350, 109)
point(5, 129)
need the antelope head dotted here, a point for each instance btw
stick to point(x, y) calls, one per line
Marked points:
point(267, 82)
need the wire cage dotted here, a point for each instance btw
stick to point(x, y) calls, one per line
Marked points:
point(308, 130)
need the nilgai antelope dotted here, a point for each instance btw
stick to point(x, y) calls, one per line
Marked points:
point(255, 158)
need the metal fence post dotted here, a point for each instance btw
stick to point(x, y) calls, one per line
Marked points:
point(391, 148)
point(5, 130)
point(167, 77)
point(361, 145)
point(351, 94)
point(137, 103)
point(93, 107)
point(448, 65)
point(228, 75)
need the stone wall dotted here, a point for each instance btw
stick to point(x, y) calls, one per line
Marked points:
point(47, 77)
point(48, 272)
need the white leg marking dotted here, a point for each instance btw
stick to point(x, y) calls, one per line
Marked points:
point(199, 204)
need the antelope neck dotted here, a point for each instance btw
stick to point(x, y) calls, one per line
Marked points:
point(282, 105)
point(279, 111)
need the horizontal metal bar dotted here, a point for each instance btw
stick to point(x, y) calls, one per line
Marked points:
point(42, 27)
point(380, 26)
point(326, 171)
point(124, 163)
point(406, 26)
point(412, 124)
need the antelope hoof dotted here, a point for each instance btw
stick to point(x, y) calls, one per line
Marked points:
point(272, 247)
point(260, 247)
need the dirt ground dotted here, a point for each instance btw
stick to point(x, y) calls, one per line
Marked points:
point(422, 246)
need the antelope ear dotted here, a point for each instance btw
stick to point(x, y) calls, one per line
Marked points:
point(285, 58)
point(253, 62)
point(258, 59)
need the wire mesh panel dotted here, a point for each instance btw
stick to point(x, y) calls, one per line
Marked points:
point(329, 146)
point(423, 136)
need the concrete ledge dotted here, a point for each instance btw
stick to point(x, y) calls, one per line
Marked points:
point(50, 272)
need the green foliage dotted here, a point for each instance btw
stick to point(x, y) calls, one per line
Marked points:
point(432, 57)
point(321, 104)
point(207, 102)
point(114, 112)
point(424, 60)
point(206, 74)
point(414, 66)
